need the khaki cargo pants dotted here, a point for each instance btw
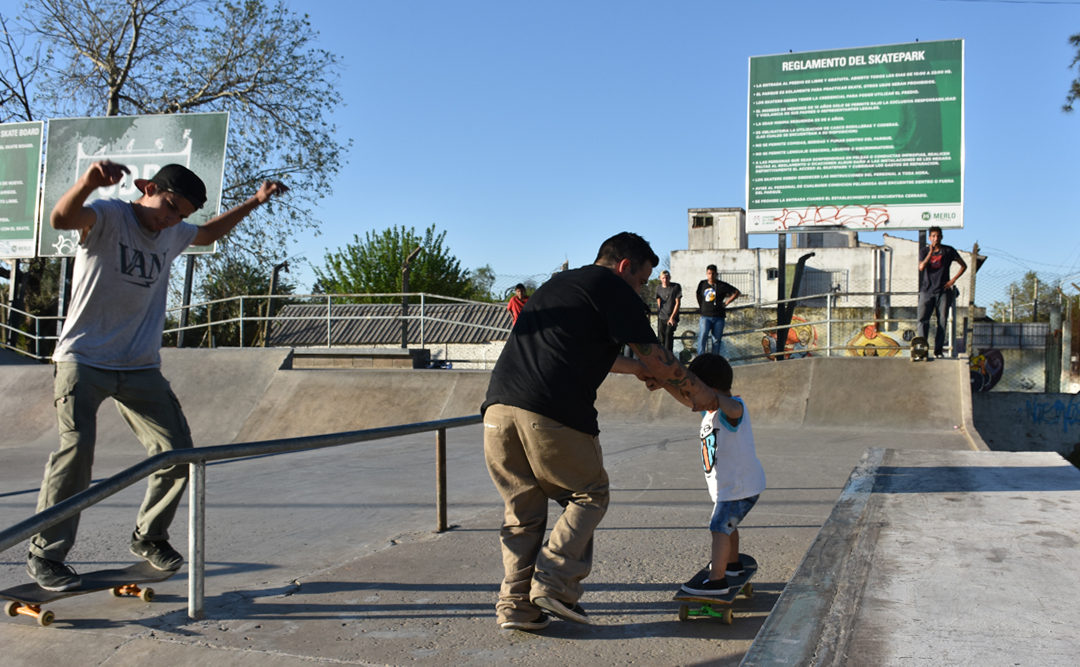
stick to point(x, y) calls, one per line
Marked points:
point(148, 405)
point(532, 459)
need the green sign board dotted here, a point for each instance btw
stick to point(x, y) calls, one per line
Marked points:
point(144, 144)
point(20, 173)
point(867, 138)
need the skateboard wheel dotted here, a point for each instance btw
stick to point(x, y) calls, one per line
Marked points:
point(115, 590)
point(147, 594)
point(748, 590)
point(684, 612)
point(11, 608)
point(728, 617)
point(46, 618)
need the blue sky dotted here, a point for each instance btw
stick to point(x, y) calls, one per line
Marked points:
point(531, 131)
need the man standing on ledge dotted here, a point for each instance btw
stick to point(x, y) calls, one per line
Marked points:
point(540, 423)
point(937, 292)
point(110, 347)
point(713, 297)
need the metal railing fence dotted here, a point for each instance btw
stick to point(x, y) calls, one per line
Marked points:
point(197, 458)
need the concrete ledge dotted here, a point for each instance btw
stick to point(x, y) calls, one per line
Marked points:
point(937, 557)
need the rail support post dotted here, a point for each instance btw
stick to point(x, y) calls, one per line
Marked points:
point(440, 480)
point(196, 538)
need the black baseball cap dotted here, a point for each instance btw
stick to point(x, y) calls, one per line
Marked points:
point(180, 180)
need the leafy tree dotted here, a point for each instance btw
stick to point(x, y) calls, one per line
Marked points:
point(253, 58)
point(373, 265)
point(483, 284)
point(1021, 307)
point(219, 304)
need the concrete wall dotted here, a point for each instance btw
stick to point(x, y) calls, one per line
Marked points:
point(1023, 422)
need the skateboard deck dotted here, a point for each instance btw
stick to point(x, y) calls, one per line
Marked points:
point(920, 349)
point(718, 606)
point(27, 599)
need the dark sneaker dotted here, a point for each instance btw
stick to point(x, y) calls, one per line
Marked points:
point(707, 587)
point(734, 570)
point(158, 553)
point(567, 612)
point(538, 623)
point(52, 575)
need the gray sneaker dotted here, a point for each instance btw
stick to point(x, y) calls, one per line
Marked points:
point(52, 575)
point(539, 623)
point(158, 553)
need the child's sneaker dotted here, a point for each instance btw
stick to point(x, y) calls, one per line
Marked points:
point(707, 587)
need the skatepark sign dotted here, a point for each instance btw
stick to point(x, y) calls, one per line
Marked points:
point(868, 138)
point(20, 172)
point(144, 144)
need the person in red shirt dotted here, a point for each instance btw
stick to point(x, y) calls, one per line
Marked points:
point(517, 302)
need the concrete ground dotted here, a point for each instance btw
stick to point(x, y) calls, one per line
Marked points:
point(329, 556)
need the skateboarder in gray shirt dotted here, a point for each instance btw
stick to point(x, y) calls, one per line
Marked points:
point(110, 347)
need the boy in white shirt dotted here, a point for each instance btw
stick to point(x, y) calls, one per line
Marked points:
point(733, 472)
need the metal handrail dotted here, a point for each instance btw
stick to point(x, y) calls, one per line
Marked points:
point(197, 458)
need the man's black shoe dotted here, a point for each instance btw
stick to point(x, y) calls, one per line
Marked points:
point(52, 575)
point(158, 553)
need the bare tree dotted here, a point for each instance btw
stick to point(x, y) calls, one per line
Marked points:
point(15, 83)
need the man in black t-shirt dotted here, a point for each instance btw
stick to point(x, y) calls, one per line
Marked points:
point(540, 423)
point(936, 290)
point(713, 297)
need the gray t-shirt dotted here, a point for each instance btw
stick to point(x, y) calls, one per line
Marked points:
point(667, 296)
point(121, 281)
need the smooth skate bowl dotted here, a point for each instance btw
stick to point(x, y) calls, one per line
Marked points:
point(888, 533)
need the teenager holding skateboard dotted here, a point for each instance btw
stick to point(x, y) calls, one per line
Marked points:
point(110, 347)
point(936, 290)
point(732, 471)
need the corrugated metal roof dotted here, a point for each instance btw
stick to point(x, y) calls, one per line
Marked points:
point(374, 324)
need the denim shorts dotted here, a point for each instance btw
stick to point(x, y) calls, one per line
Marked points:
point(728, 513)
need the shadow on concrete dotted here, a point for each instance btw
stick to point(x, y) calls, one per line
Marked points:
point(975, 479)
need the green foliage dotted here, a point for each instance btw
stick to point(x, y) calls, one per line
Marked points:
point(373, 265)
point(1026, 303)
point(483, 282)
point(231, 279)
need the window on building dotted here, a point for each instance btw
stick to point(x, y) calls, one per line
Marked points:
point(702, 221)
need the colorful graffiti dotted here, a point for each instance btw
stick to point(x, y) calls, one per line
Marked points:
point(987, 368)
point(801, 338)
point(870, 342)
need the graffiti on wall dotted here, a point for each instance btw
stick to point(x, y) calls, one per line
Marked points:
point(987, 368)
point(801, 339)
point(870, 342)
point(1063, 412)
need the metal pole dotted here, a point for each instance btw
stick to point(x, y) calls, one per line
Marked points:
point(828, 325)
point(196, 538)
point(241, 321)
point(329, 307)
point(185, 303)
point(440, 480)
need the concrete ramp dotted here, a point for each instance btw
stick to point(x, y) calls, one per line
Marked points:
point(833, 393)
point(218, 389)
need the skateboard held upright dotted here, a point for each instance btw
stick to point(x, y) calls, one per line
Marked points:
point(920, 349)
